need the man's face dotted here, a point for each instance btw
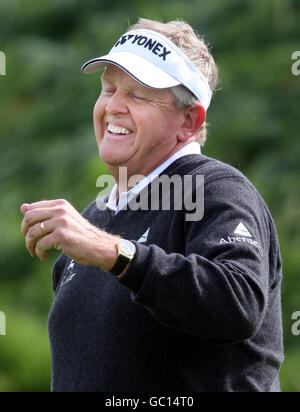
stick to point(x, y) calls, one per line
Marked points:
point(135, 126)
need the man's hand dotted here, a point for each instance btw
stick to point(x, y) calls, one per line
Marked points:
point(68, 231)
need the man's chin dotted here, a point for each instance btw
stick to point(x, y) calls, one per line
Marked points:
point(113, 158)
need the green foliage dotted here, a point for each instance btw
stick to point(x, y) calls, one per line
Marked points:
point(24, 354)
point(47, 147)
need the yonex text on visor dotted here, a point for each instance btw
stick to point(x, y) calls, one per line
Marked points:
point(154, 61)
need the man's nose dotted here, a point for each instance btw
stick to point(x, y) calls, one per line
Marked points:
point(117, 104)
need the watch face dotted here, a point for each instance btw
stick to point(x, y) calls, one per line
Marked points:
point(127, 247)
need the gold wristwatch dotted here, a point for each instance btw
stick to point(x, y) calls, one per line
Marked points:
point(126, 252)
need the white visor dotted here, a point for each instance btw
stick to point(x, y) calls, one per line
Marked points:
point(154, 61)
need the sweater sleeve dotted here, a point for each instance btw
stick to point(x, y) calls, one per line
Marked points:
point(218, 289)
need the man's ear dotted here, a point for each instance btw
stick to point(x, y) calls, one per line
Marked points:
point(194, 117)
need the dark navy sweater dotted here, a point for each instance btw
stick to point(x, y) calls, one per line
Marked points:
point(198, 310)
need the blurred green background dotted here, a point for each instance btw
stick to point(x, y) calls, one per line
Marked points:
point(47, 147)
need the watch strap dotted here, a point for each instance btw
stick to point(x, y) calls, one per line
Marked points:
point(120, 265)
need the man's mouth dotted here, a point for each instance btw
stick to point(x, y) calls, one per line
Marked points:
point(118, 130)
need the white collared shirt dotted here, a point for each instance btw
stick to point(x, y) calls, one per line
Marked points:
point(125, 197)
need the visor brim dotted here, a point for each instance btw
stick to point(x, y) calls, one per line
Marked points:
point(137, 67)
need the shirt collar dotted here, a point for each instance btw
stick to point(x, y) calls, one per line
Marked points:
point(125, 197)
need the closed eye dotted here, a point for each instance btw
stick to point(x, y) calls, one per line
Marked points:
point(108, 91)
point(138, 97)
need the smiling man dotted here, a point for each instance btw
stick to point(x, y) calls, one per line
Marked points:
point(146, 300)
point(134, 123)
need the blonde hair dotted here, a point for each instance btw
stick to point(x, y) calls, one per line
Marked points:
point(196, 49)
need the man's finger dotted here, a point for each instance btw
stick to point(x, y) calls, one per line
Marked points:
point(34, 234)
point(44, 244)
point(24, 208)
point(34, 216)
point(47, 204)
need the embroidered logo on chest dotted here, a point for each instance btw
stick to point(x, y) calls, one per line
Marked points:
point(69, 275)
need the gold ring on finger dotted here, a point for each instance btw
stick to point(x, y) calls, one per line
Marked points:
point(44, 231)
